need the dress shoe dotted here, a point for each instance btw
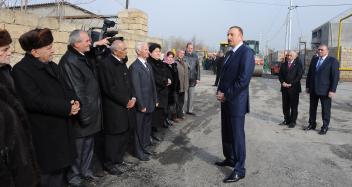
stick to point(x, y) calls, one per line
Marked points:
point(310, 127)
point(144, 158)
point(191, 113)
point(225, 163)
point(156, 138)
point(292, 125)
point(283, 123)
point(323, 131)
point(114, 171)
point(233, 177)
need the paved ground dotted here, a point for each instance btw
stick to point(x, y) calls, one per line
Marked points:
point(276, 155)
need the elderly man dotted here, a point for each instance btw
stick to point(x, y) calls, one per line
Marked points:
point(322, 80)
point(118, 105)
point(80, 75)
point(290, 76)
point(192, 61)
point(49, 105)
point(145, 92)
point(182, 68)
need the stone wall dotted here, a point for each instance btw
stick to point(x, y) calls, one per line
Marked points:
point(133, 26)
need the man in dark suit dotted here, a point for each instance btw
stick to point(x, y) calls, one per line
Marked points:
point(322, 80)
point(145, 92)
point(118, 105)
point(233, 93)
point(290, 75)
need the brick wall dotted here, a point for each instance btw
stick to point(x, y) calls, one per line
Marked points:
point(133, 26)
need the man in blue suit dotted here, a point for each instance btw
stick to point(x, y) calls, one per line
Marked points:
point(233, 93)
point(322, 80)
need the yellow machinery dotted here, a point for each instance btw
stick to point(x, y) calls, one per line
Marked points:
point(254, 45)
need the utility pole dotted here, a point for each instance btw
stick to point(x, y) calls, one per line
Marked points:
point(127, 2)
point(289, 25)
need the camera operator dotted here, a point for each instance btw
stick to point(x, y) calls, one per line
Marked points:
point(78, 70)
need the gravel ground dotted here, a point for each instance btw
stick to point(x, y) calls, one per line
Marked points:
point(276, 155)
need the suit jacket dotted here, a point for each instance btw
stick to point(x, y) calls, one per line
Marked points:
point(234, 80)
point(325, 79)
point(143, 85)
point(291, 75)
point(116, 89)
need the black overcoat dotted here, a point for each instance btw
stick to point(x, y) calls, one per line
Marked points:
point(116, 89)
point(47, 102)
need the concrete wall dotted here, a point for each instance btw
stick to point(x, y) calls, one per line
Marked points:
point(17, 23)
point(329, 35)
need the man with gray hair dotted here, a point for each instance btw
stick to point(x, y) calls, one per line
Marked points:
point(145, 91)
point(290, 75)
point(192, 61)
point(80, 76)
point(118, 105)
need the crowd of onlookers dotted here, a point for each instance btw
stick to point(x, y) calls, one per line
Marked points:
point(55, 118)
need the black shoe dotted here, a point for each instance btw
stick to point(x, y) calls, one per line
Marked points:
point(144, 158)
point(225, 163)
point(310, 127)
point(323, 131)
point(292, 125)
point(283, 123)
point(191, 113)
point(114, 171)
point(156, 138)
point(233, 177)
point(165, 124)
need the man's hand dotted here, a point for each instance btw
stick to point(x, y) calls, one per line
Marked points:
point(220, 96)
point(102, 42)
point(131, 103)
point(144, 109)
point(157, 104)
point(75, 107)
point(168, 82)
point(332, 94)
point(285, 85)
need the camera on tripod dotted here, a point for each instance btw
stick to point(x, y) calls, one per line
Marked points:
point(104, 33)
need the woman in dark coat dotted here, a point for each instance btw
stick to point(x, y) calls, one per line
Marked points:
point(162, 78)
point(17, 161)
point(174, 87)
point(49, 106)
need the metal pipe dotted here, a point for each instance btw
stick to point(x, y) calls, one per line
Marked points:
point(339, 38)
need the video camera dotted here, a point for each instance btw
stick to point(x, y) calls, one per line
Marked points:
point(96, 35)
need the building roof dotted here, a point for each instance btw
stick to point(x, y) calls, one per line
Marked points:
point(55, 4)
point(343, 14)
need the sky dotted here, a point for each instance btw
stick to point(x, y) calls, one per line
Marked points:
point(209, 20)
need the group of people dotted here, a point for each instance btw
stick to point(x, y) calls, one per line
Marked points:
point(321, 84)
point(51, 114)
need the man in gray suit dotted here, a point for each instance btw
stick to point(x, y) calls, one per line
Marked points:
point(145, 92)
point(191, 59)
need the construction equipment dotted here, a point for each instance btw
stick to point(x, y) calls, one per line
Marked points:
point(254, 45)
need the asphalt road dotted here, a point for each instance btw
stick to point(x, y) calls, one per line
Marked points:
point(276, 155)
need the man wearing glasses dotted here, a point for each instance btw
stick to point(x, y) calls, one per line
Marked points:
point(322, 80)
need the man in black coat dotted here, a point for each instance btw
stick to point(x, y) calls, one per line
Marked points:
point(118, 105)
point(145, 92)
point(219, 62)
point(80, 75)
point(322, 80)
point(18, 166)
point(49, 105)
point(290, 75)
